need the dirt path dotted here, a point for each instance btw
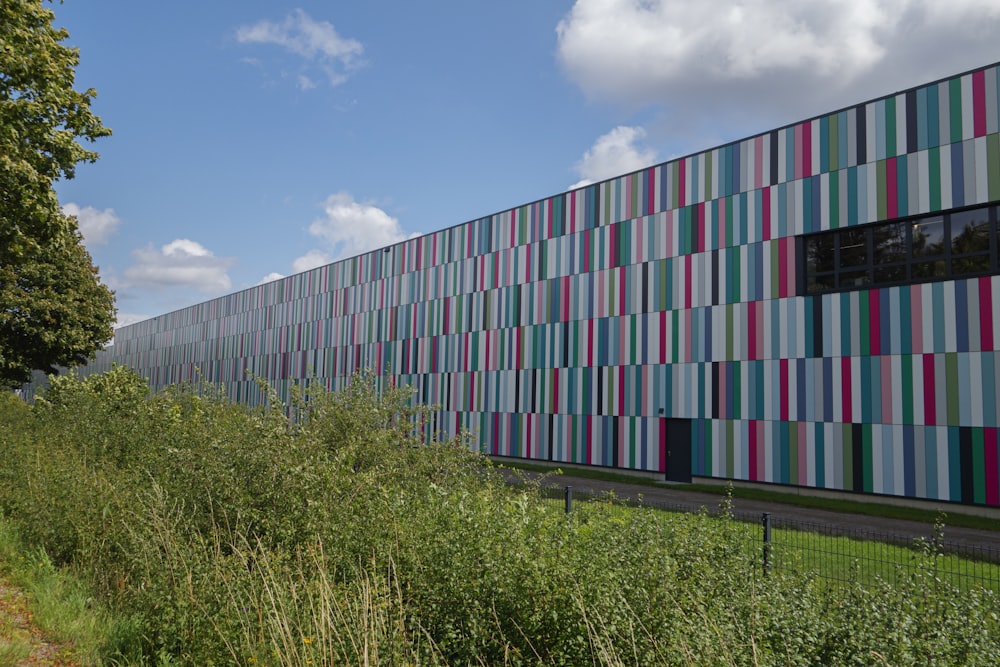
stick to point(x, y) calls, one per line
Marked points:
point(22, 644)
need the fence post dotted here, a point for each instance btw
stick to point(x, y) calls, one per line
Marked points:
point(569, 499)
point(766, 520)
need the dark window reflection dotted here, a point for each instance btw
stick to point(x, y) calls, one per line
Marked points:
point(819, 253)
point(970, 232)
point(889, 243)
point(928, 237)
point(933, 247)
point(853, 248)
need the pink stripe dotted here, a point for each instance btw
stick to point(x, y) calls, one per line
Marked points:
point(891, 196)
point(874, 323)
point(650, 191)
point(754, 475)
point(586, 251)
point(845, 389)
point(992, 470)
point(887, 390)
point(985, 311)
point(930, 414)
point(979, 103)
point(565, 299)
point(589, 439)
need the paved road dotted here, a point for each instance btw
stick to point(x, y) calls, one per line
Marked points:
point(897, 528)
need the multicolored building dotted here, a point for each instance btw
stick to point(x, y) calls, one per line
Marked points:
point(818, 306)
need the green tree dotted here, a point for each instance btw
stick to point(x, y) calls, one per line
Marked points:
point(54, 311)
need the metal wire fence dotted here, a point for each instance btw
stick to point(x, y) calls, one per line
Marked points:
point(836, 553)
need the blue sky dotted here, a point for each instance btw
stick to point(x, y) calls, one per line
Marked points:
point(254, 139)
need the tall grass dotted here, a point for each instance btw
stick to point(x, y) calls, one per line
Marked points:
point(223, 535)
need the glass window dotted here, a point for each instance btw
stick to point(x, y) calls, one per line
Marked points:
point(854, 278)
point(853, 248)
point(889, 243)
point(819, 253)
point(928, 237)
point(931, 247)
point(929, 269)
point(961, 266)
point(970, 232)
point(892, 273)
point(820, 283)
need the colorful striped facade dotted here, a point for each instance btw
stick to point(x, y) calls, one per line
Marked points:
point(576, 328)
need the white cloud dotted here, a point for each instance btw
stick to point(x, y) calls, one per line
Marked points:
point(310, 260)
point(96, 226)
point(351, 228)
point(125, 319)
point(729, 56)
point(316, 42)
point(271, 277)
point(613, 154)
point(180, 263)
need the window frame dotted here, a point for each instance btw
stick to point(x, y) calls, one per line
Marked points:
point(908, 264)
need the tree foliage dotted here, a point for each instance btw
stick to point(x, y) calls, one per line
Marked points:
point(54, 310)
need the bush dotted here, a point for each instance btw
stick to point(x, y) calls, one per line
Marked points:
point(326, 531)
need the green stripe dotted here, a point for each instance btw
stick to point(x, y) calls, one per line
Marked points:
point(978, 467)
point(934, 177)
point(730, 449)
point(993, 165)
